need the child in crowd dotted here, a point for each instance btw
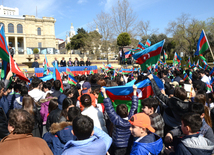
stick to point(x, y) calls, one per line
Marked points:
point(60, 133)
point(149, 107)
point(192, 142)
point(121, 133)
point(90, 140)
point(147, 142)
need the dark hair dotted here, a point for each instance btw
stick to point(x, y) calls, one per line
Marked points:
point(21, 121)
point(165, 72)
point(122, 110)
point(197, 108)
point(47, 85)
point(101, 82)
point(93, 79)
point(1, 85)
point(72, 90)
point(193, 121)
point(28, 104)
point(65, 104)
point(150, 103)
point(195, 76)
point(83, 127)
point(73, 112)
point(53, 104)
point(17, 87)
point(180, 93)
point(86, 100)
point(201, 98)
point(57, 85)
point(24, 91)
point(177, 73)
point(202, 71)
point(35, 82)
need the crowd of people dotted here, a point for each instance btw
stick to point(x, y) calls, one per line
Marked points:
point(38, 118)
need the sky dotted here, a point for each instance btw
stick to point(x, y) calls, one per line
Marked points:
point(82, 12)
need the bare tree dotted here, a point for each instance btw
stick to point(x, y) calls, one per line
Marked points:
point(104, 24)
point(185, 31)
point(144, 29)
point(124, 18)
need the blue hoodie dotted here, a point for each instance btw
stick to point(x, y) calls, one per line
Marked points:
point(151, 143)
point(98, 144)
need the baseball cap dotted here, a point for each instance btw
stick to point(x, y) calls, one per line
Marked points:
point(142, 120)
point(85, 87)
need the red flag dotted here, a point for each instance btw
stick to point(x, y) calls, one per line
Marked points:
point(15, 69)
point(58, 77)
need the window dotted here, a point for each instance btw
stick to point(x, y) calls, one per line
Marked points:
point(38, 31)
point(10, 28)
point(39, 44)
point(19, 28)
point(3, 25)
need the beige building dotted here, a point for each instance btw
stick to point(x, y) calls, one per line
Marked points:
point(24, 33)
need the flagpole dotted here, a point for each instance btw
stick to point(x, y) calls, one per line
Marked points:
point(208, 44)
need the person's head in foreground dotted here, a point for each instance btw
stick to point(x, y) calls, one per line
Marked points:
point(140, 125)
point(83, 127)
point(20, 122)
point(191, 123)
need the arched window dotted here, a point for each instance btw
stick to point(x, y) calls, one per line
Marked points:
point(3, 25)
point(38, 31)
point(19, 28)
point(10, 28)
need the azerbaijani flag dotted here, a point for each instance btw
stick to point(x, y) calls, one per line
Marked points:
point(209, 87)
point(212, 72)
point(123, 94)
point(58, 77)
point(189, 62)
point(136, 50)
point(142, 46)
point(149, 55)
point(202, 58)
point(46, 70)
point(206, 67)
point(149, 67)
point(128, 54)
point(68, 71)
point(148, 43)
point(176, 59)
point(91, 72)
point(203, 44)
point(186, 77)
point(72, 80)
point(126, 71)
point(197, 64)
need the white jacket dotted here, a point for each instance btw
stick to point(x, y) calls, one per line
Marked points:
point(97, 116)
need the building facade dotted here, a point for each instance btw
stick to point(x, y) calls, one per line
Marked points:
point(27, 32)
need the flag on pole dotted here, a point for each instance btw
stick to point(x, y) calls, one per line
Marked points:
point(128, 54)
point(209, 87)
point(149, 55)
point(186, 77)
point(141, 46)
point(176, 59)
point(203, 44)
point(189, 63)
point(58, 77)
point(15, 69)
point(197, 64)
point(68, 71)
point(148, 43)
point(72, 80)
point(46, 70)
point(212, 72)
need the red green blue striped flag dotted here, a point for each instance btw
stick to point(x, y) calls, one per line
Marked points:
point(148, 43)
point(72, 80)
point(203, 44)
point(186, 77)
point(123, 94)
point(46, 70)
point(128, 54)
point(58, 77)
point(176, 59)
point(141, 46)
point(212, 72)
point(149, 55)
point(68, 71)
point(209, 87)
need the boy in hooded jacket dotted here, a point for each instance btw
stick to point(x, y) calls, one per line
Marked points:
point(147, 142)
point(192, 142)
